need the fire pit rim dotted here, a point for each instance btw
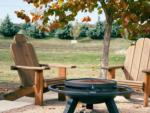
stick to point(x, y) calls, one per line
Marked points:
point(122, 90)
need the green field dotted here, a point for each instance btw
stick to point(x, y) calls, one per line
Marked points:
point(86, 55)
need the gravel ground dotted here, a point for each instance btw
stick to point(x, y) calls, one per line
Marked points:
point(52, 105)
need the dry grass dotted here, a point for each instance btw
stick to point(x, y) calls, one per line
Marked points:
point(86, 55)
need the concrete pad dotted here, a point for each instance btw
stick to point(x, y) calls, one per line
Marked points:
point(6, 105)
point(25, 99)
point(121, 99)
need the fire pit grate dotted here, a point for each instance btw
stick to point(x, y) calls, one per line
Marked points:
point(90, 83)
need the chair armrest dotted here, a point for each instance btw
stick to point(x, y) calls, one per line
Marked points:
point(16, 67)
point(45, 65)
point(147, 71)
point(58, 66)
point(112, 67)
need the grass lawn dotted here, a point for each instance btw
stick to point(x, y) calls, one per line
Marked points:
point(85, 54)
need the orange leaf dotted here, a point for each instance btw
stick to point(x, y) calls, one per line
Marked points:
point(86, 19)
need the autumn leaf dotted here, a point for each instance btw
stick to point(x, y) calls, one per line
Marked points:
point(22, 15)
point(86, 19)
point(55, 6)
point(36, 17)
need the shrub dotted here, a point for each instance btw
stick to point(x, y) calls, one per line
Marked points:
point(148, 36)
point(84, 31)
point(98, 31)
point(115, 33)
point(93, 34)
point(25, 26)
point(52, 33)
point(64, 33)
point(7, 28)
point(33, 31)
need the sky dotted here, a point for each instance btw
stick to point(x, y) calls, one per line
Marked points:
point(10, 6)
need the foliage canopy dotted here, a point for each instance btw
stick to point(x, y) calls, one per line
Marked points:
point(132, 14)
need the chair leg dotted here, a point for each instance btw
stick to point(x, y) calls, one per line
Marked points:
point(146, 90)
point(62, 72)
point(145, 98)
point(39, 87)
point(89, 106)
point(127, 96)
point(111, 74)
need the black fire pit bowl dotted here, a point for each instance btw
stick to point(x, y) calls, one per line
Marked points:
point(91, 91)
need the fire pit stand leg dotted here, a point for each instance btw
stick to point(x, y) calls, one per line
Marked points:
point(111, 106)
point(71, 105)
point(89, 106)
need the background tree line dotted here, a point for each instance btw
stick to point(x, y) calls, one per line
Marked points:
point(96, 32)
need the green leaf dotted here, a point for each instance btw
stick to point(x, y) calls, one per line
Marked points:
point(60, 2)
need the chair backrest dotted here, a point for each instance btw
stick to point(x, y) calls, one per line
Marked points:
point(137, 59)
point(23, 54)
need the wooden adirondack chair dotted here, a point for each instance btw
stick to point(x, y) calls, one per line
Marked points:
point(31, 72)
point(136, 68)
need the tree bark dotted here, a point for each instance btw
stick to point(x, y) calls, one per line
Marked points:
point(106, 43)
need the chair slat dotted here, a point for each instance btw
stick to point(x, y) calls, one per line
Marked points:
point(144, 59)
point(137, 58)
point(129, 60)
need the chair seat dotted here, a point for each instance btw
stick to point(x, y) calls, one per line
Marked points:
point(136, 85)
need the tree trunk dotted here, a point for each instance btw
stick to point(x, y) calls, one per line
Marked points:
point(106, 44)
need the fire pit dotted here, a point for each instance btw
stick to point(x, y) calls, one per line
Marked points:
point(91, 91)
